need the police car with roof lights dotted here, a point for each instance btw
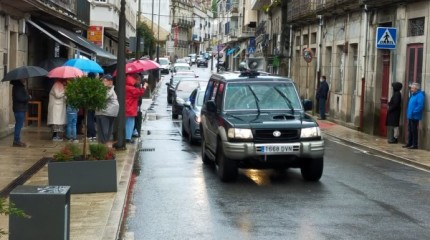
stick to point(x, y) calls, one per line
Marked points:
point(253, 121)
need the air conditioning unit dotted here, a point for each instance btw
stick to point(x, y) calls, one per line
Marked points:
point(256, 64)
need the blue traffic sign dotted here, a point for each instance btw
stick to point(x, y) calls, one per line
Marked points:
point(386, 38)
point(251, 50)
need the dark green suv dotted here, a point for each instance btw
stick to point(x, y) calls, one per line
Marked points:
point(253, 121)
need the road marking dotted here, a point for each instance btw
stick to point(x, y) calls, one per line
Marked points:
point(380, 156)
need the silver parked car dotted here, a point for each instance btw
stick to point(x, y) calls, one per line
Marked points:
point(191, 115)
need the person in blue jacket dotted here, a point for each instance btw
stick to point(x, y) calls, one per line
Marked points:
point(414, 114)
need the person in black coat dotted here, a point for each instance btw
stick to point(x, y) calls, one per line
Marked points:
point(321, 96)
point(393, 115)
point(20, 100)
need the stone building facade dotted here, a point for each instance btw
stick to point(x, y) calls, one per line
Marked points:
point(341, 37)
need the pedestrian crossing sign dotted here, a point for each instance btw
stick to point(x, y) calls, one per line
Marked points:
point(386, 38)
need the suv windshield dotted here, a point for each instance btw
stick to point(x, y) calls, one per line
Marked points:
point(245, 96)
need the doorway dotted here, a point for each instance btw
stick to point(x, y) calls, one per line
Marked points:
point(414, 70)
point(384, 92)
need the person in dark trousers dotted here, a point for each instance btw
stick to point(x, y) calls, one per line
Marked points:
point(321, 96)
point(20, 99)
point(414, 115)
point(105, 117)
point(393, 115)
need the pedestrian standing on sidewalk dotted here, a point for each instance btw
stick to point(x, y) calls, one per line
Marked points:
point(321, 96)
point(20, 98)
point(72, 120)
point(132, 94)
point(414, 115)
point(105, 117)
point(138, 118)
point(57, 110)
point(393, 115)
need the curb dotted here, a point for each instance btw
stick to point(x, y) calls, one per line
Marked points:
point(378, 152)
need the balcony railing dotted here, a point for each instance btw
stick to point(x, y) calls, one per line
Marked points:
point(234, 32)
point(301, 9)
point(247, 32)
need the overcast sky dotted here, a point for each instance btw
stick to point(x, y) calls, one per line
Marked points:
point(164, 11)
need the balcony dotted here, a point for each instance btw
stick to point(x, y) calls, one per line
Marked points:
point(258, 4)
point(247, 32)
point(234, 32)
point(301, 10)
point(331, 7)
point(385, 2)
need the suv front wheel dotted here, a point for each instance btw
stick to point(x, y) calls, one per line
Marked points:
point(226, 168)
point(312, 169)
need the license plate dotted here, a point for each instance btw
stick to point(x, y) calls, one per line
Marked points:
point(277, 149)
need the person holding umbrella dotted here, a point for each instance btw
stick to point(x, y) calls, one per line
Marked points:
point(57, 109)
point(132, 94)
point(20, 98)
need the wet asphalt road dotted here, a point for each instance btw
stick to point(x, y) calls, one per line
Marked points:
point(360, 196)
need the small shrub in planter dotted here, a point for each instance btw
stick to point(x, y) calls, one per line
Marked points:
point(72, 152)
point(96, 173)
point(86, 93)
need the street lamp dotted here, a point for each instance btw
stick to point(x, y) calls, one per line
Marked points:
point(158, 37)
point(137, 56)
point(120, 79)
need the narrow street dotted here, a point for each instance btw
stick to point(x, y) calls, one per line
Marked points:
point(360, 196)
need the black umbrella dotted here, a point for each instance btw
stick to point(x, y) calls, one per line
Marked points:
point(24, 72)
point(51, 63)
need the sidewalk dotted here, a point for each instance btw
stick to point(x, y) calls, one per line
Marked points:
point(99, 215)
point(93, 216)
point(378, 145)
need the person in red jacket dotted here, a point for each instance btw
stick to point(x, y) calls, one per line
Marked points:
point(132, 94)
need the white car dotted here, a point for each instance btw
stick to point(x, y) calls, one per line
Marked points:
point(164, 65)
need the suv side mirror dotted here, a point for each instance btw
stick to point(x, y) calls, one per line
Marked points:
point(307, 104)
point(210, 106)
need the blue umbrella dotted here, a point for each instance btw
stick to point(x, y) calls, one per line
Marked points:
point(85, 65)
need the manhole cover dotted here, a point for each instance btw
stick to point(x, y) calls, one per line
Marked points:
point(147, 149)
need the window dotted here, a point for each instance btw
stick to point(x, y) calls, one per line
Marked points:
point(416, 27)
point(340, 68)
point(102, 1)
point(328, 62)
point(298, 41)
point(305, 39)
point(314, 38)
point(268, 95)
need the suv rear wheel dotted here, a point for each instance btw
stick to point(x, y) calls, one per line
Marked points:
point(312, 169)
point(226, 168)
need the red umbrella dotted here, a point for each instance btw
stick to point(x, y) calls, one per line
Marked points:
point(130, 68)
point(65, 72)
point(147, 64)
point(139, 66)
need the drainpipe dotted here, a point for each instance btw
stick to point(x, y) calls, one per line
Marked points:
point(291, 51)
point(363, 77)
point(318, 75)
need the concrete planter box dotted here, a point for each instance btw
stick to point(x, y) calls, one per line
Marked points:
point(90, 176)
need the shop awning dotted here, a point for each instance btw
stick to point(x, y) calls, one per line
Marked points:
point(83, 44)
point(238, 53)
point(81, 41)
point(52, 36)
